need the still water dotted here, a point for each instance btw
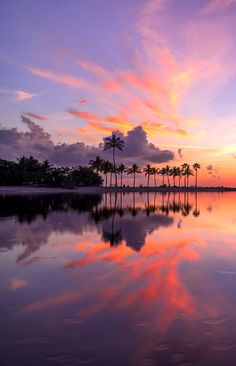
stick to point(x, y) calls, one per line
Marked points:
point(118, 279)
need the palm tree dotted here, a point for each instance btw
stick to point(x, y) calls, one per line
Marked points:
point(106, 168)
point(175, 173)
point(134, 170)
point(96, 164)
point(187, 172)
point(183, 170)
point(121, 169)
point(148, 171)
point(162, 172)
point(155, 171)
point(178, 173)
point(113, 142)
point(168, 172)
point(196, 166)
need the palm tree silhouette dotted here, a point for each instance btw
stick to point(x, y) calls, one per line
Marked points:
point(121, 169)
point(133, 170)
point(188, 172)
point(184, 168)
point(162, 172)
point(96, 164)
point(175, 173)
point(106, 168)
point(155, 171)
point(148, 171)
point(179, 174)
point(114, 142)
point(168, 172)
point(196, 166)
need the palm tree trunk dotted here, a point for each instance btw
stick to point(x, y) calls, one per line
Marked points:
point(106, 180)
point(121, 179)
point(148, 180)
point(196, 178)
point(134, 179)
point(114, 164)
point(155, 180)
point(179, 181)
point(163, 177)
point(110, 179)
point(174, 180)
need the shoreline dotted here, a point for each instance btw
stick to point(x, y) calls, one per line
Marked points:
point(15, 190)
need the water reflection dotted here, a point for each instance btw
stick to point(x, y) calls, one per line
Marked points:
point(121, 279)
point(118, 216)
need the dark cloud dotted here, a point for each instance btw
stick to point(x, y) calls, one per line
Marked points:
point(209, 167)
point(35, 116)
point(82, 100)
point(180, 153)
point(213, 171)
point(138, 149)
point(35, 141)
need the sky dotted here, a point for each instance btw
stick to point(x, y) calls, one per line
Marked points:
point(161, 73)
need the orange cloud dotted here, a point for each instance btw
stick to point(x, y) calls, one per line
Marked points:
point(16, 283)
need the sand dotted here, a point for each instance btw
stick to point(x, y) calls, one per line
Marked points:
point(28, 190)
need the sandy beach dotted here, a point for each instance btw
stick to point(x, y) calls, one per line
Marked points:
point(28, 190)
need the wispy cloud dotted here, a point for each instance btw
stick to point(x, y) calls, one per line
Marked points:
point(67, 80)
point(17, 283)
point(23, 95)
point(217, 6)
point(19, 95)
point(34, 116)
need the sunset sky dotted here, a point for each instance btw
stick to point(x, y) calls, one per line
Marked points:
point(80, 69)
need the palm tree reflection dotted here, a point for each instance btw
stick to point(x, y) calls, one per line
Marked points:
point(112, 236)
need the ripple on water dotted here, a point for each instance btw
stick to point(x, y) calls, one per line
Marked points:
point(68, 359)
point(223, 347)
point(216, 321)
point(162, 347)
point(222, 271)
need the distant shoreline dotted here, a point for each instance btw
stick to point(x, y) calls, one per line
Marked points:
point(96, 190)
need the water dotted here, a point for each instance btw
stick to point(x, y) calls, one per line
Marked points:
point(118, 279)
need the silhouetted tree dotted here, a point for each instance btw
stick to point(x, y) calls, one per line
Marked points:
point(196, 166)
point(148, 171)
point(114, 142)
point(96, 164)
point(106, 168)
point(162, 172)
point(134, 170)
point(121, 169)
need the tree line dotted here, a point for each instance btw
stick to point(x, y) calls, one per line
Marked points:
point(107, 168)
point(29, 171)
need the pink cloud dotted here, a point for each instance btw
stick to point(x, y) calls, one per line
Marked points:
point(217, 6)
point(22, 95)
point(68, 80)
